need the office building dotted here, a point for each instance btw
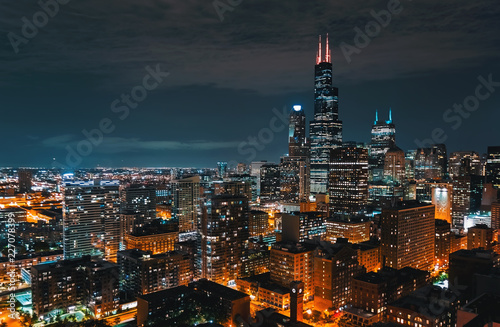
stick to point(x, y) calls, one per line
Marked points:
point(325, 130)
point(383, 138)
point(465, 163)
point(493, 166)
point(394, 165)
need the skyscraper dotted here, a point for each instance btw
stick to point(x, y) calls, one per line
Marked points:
point(394, 165)
point(224, 234)
point(349, 180)
point(269, 182)
point(186, 206)
point(383, 138)
point(91, 219)
point(493, 166)
point(294, 179)
point(297, 142)
point(325, 130)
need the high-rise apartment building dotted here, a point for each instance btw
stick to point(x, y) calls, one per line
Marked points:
point(186, 203)
point(407, 235)
point(270, 182)
point(91, 219)
point(224, 234)
point(348, 180)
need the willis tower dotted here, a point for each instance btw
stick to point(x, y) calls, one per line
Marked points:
point(325, 130)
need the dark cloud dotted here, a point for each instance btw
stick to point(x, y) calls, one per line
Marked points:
point(227, 76)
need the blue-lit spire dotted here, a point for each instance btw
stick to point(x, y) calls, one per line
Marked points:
point(376, 116)
point(390, 116)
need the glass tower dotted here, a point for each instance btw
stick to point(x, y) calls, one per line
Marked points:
point(325, 129)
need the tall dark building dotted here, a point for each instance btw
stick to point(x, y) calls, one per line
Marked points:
point(297, 142)
point(325, 130)
point(493, 166)
point(431, 163)
point(140, 200)
point(294, 179)
point(348, 180)
point(383, 138)
point(24, 176)
point(269, 182)
point(224, 234)
point(463, 163)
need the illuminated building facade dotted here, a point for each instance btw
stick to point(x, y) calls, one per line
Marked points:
point(394, 165)
point(348, 180)
point(297, 142)
point(156, 242)
point(481, 237)
point(299, 227)
point(495, 216)
point(442, 243)
point(224, 235)
point(294, 179)
point(91, 219)
point(373, 291)
point(293, 261)
point(465, 163)
point(355, 229)
point(140, 200)
point(383, 138)
point(186, 203)
point(270, 182)
point(334, 267)
point(258, 223)
point(441, 198)
point(431, 163)
point(142, 272)
point(493, 166)
point(67, 283)
point(325, 130)
point(407, 236)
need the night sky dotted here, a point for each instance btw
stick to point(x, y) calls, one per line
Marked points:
point(225, 77)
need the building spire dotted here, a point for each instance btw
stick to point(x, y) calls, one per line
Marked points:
point(328, 54)
point(390, 115)
point(376, 116)
point(320, 53)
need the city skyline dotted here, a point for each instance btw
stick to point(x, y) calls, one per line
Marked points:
point(66, 78)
